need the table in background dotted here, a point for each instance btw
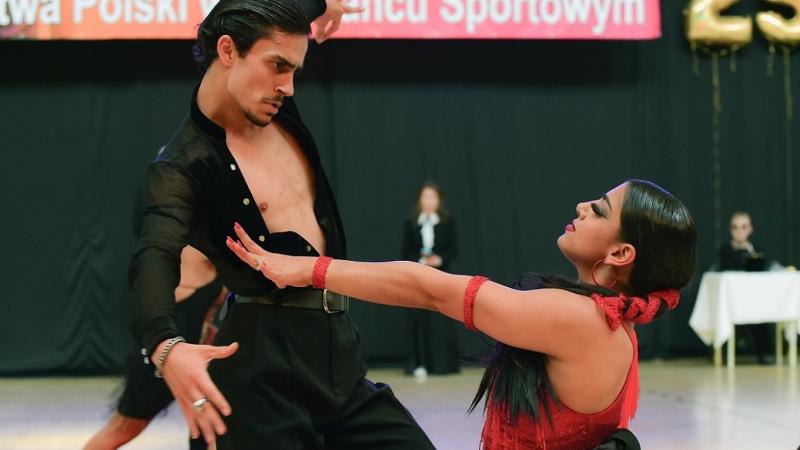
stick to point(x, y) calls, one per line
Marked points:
point(726, 299)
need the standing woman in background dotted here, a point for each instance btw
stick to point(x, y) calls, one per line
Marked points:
point(429, 237)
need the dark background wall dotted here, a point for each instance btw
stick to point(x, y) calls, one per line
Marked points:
point(515, 131)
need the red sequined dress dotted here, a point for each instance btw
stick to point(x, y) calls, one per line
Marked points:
point(570, 430)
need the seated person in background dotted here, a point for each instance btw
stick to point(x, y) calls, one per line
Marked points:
point(741, 254)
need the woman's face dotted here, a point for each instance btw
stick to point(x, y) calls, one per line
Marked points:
point(741, 228)
point(429, 200)
point(592, 234)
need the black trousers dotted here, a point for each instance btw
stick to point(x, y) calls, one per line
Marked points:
point(434, 343)
point(297, 382)
point(761, 337)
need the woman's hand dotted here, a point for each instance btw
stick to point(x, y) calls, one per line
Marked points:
point(282, 270)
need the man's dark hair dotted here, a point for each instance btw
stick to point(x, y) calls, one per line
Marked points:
point(246, 21)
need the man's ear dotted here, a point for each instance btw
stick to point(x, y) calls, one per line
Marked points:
point(226, 50)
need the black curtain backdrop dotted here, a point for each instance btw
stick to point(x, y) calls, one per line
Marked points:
point(516, 132)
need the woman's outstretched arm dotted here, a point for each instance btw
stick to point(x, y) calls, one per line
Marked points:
point(552, 321)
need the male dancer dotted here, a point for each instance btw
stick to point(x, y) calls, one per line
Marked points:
point(288, 366)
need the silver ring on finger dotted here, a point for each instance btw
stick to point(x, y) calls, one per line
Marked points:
point(198, 404)
point(257, 265)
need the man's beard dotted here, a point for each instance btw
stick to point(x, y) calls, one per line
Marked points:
point(255, 120)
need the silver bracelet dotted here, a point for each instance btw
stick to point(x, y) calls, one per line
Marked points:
point(163, 356)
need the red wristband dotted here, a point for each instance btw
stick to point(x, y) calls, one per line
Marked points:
point(320, 271)
point(469, 300)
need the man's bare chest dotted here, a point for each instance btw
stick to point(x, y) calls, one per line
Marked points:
point(278, 178)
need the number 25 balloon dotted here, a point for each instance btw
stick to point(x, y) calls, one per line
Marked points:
point(779, 30)
point(705, 25)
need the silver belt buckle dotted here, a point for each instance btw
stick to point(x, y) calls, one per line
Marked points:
point(325, 302)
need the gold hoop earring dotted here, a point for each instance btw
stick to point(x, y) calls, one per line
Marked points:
point(594, 280)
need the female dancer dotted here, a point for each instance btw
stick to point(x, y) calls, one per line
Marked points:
point(564, 374)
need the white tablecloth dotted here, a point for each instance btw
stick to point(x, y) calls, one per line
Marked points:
point(727, 298)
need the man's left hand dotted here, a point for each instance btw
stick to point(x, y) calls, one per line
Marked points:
point(327, 24)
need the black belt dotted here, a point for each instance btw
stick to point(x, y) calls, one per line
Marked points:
point(321, 299)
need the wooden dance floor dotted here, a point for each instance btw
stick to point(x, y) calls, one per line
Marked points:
point(686, 404)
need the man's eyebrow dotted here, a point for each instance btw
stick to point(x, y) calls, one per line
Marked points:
point(282, 60)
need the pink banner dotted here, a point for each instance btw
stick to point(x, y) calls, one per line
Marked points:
point(382, 19)
point(505, 19)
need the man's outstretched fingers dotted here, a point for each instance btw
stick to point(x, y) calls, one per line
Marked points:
point(207, 428)
point(216, 398)
point(194, 430)
point(212, 392)
point(211, 415)
point(202, 415)
point(319, 35)
point(353, 9)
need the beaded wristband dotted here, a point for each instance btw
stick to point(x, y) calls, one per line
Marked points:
point(320, 271)
point(469, 300)
point(163, 356)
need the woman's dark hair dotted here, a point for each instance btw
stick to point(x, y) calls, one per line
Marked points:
point(442, 211)
point(246, 21)
point(662, 230)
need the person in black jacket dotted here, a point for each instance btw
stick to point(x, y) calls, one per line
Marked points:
point(740, 253)
point(285, 371)
point(429, 237)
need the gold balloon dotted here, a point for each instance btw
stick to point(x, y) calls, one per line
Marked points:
point(705, 25)
point(779, 30)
